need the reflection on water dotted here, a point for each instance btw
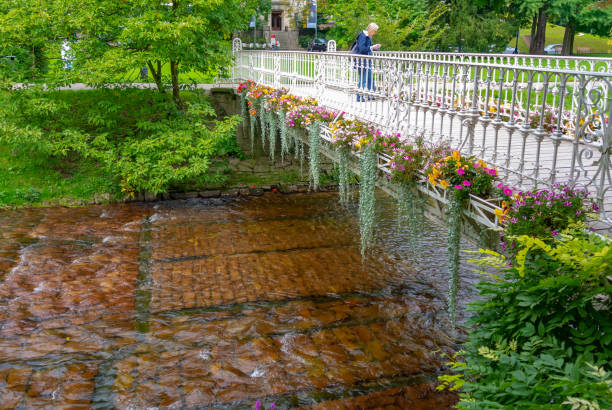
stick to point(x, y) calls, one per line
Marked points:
point(220, 303)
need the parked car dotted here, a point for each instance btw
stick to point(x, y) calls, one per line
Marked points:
point(511, 50)
point(553, 49)
point(318, 44)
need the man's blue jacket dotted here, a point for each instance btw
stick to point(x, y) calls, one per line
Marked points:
point(363, 44)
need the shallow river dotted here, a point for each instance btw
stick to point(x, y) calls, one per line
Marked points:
point(219, 303)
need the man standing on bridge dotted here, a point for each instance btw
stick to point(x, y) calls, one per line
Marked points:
point(363, 45)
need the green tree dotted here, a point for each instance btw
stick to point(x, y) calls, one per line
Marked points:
point(25, 31)
point(584, 15)
point(403, 23)
point(117, 36)
point(110, 38)
point(476, 25)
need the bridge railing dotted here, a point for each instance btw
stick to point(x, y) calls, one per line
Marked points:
point(538, 126)
point(575, 63)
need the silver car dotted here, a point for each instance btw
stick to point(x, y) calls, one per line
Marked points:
point(553, 49)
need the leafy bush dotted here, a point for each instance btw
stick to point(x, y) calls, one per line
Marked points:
point(304, 40)
point(542, 336)
point(138, 137)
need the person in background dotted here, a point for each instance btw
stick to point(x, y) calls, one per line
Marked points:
point(274, 42)
point(363, 46)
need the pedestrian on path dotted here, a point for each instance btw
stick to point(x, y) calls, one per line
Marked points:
point(363, 45)
point(274, 43)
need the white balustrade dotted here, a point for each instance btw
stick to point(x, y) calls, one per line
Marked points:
point(540, 123)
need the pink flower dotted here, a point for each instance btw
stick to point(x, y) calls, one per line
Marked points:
point(476, 164)
point(466, 183)
point(459, 186)
point(507, 191)
point(492, 171)
point(460, 171)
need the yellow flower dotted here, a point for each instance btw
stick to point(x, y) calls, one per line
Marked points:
point(500, 214)
point(456, 156)
point(444, 183)
point(432, 179)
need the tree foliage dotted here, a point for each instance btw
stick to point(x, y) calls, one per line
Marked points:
point(403, 24)
point(111, 38)
point(139, 137)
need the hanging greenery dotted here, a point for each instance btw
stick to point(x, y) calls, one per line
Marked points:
point(367, 199)
point(285, 142)
point(252, 134)
point(263, 125)
point(343, 175)
point(243, 104)
point(410, 214)
point(313, 154)
point(454, 242)
point(273, 125)
point(302, 155)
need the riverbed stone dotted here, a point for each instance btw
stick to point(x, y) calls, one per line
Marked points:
point(251, 298)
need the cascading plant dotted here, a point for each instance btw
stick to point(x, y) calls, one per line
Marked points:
point(461, 176)
point(343, 175)
point(263, 124)
point(285, 140)
point(454, 243)
point(273, 126)
point(367, 198)
point(313, 154)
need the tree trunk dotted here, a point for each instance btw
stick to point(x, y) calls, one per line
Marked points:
point(157, 77)
point(540, 36)
point(175, 84)
point(568, 39)
point(534, 24)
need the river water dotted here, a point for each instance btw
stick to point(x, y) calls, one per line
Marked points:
point(219, 303)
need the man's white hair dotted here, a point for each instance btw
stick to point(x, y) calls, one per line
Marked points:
point(372, 26)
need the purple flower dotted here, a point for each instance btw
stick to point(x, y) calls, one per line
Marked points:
point(258, 405)
point(554, 233)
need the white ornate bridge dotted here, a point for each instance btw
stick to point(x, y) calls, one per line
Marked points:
point(540, 120)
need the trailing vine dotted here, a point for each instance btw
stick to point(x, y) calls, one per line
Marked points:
point(313, 154)
point(367, 199)
point(252, 134)
point(263, 125)
point(454, 243)
point(300, 153)
point(410, 213)
point(243, 104)
point(273, 128)
point(343, 175)
point(285, 142)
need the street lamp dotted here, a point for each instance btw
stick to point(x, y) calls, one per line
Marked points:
point(518, 32)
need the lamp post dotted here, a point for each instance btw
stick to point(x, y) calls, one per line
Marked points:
point(518, 32)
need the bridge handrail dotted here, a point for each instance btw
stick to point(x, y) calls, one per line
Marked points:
point(600, 64)
point(538, 126)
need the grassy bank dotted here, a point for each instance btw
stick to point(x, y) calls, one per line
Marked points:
point(597, 46)
point(30, 178)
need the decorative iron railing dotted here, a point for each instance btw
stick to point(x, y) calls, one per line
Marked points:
point(597, 64)
point(540, 126)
